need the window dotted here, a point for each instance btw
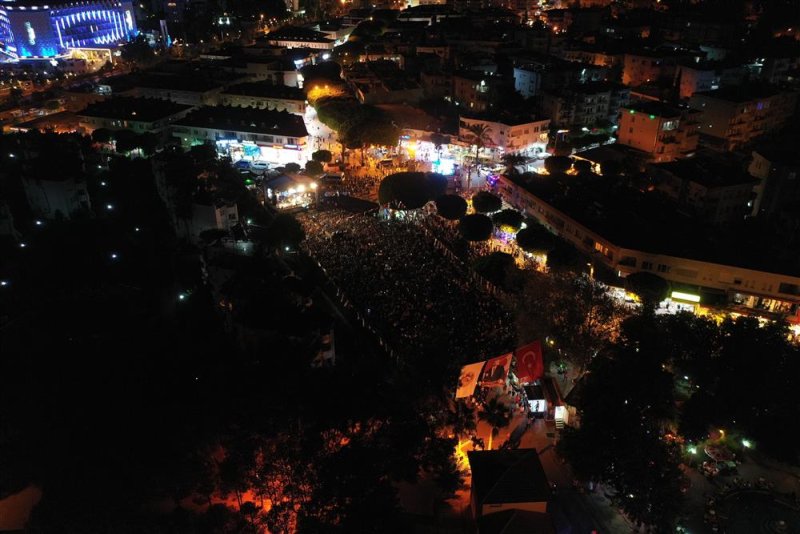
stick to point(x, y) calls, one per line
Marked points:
point(647, 265)
point(663, 268)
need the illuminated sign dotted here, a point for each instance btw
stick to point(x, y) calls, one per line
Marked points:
point(678, 295)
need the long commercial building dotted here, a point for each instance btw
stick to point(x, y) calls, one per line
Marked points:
point(30, 29)
point(761, 291)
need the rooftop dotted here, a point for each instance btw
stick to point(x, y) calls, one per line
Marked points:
point(172, 82)
point(266, 90)
point(297, 33)
point(516, 522)
point(741, 93)
point(508, 476)
point(648, 221)
point(249, 120)
point(650, 107)
point(136, 109)
point(706, 171)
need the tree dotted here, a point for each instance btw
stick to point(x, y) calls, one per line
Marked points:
point(126, 141)
point(147, 142)
point(649, 287)
point(535, 238)
point(627, 396)
point(439, 140)
point(322, 156)
point(285, 231)
point(292, 168)
point(102, 135)
point(509, 220)
point(451, 207)
point(475, 227)
point(496, 415)
point(557, 164)
point(565, 257)
point(582, 166)
point(479, 136)
point(405, 190)
point(499, 268)
point(485, 202)
point(314, 168)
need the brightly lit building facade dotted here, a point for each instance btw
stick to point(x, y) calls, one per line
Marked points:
point(30, 29)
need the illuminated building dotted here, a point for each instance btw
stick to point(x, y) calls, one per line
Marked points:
point(660, 132)
point(38, 30)
point(277, 137)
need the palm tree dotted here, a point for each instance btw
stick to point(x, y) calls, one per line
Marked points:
point(479, 136)
point(496, 415)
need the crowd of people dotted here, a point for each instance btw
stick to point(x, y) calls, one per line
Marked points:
point(425, 303)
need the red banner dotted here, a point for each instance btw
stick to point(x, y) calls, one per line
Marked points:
point(530, 364)
point(496, 370)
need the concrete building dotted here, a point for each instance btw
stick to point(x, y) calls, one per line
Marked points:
point(138, 114)
point(277, 137)
point(660, 132)
point(298, 37)
point(626, 242)
point(585, 105)
point(181, 89)
point(382, 82)
point(528, 80)
point(708, 189)
point(778, 190)
point(694, 77)
point(475, 91)
point(508, 134)
point(733, 117)
point(649, 66)
point(265, 95)
point(511, 479)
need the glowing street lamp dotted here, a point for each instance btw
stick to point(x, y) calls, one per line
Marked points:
point(747, 444)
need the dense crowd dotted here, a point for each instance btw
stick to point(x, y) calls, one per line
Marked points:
point(426, 304)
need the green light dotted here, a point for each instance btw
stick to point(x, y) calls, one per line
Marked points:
point(747, 444)
point(652, 117)
point(632, 112)
point(692, 450)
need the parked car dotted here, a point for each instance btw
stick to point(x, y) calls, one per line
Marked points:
point(242, 165)
point(259, 166)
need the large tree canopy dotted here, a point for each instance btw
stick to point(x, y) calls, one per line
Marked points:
point(405, 190)
point(509, 220)
point(451, 207)
point(649, 287)
point(557, 164)
point(476, 227)
point(485, 202)
point(535, 238)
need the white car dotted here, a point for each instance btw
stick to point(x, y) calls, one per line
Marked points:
point(259, 166)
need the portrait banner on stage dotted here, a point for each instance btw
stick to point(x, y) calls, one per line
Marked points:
point(496, 370)
point(468, 379)
point(530, 363)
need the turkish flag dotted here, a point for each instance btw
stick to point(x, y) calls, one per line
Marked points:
point(530, 364)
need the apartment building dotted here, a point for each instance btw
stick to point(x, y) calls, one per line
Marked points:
point(265, 95)
point(733, 117)
point(585, 105)
point(508, 134)
point(605, 240)
point(661, 132)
